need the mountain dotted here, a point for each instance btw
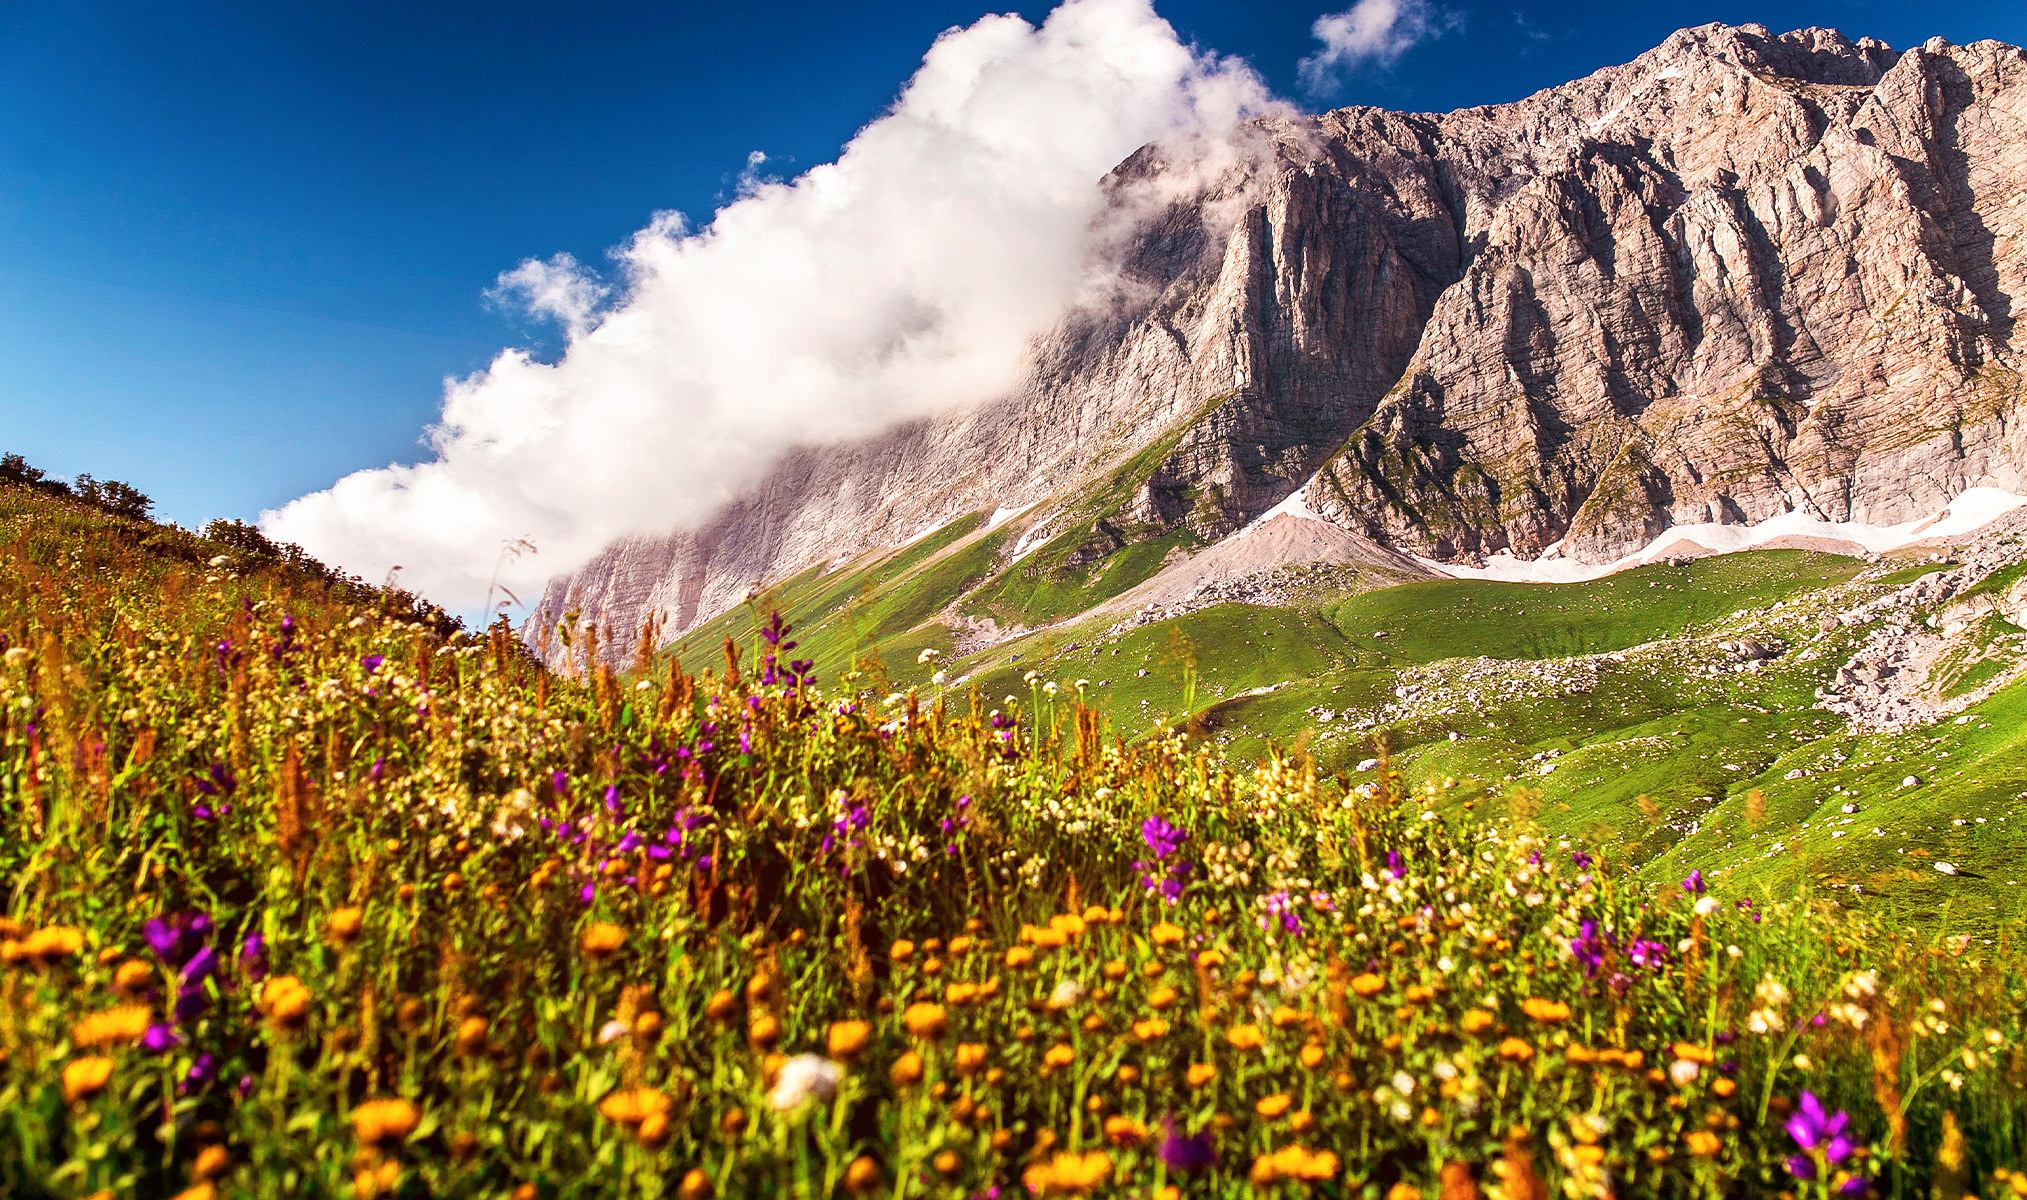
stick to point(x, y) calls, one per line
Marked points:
point(1742, 276)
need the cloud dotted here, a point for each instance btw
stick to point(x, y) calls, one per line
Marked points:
point(1376, 31)
point(908, 276)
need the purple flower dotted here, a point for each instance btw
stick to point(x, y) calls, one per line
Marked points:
point(371, 662)
point(560, 780)
point(1161, 837)
point(1183, 1152)
point(253, 956)
point(1814, 1130)
point(1396, 865)
point(378, 771)
point(1581, 860)
point(1694, 885)
point(587, 892)
point(201, 1072)
point(191, 1002)
point(159, 1039)
point(612, 804)
point(200, 966)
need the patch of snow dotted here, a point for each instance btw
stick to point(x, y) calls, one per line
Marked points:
point(1036, 534)
point(1000, 515)
point(1974, 509)
point(1643, 85)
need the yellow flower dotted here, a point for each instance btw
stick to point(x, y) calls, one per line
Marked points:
point(764, 1030)
point(1049, 939)
point(1200, 1074)
point(1284, 1016)
point(848, 1039)
point(1703, 1143)
point(907, 1070)
point(863, 1175)
point(601, 939)
point(1210, 958)
point(1723, 1087)
point(1311, 1056)
point(1246, 1037)
point(1097, 915)
point(656, 1131)
point(722, 1004)
point(1068, 924)
point(1124, 1131)
point(52, 944)
point(379, 1122)
point(1548, 1012)
point(1152, 1029)
point(471, 1035)
point(344, 924)
point(1273, 1106)
point(902, 950)
point(957, 995)
point(1475, 1021)
point(969, 1058)
point(1019, 956)
point(1367, 985)
point(1165, 934)
point(1577, 1052)
point(1115, 970)
point(85, 1078)
point(133, 977)
point(1059, 1055)
point(1691, 1052)
point(696, 1185)
point(1515, 1050)
point(1294, 1162)
point(1161, 998)
point(924, 1020)
point(115, 1026)
point(285, 1001)
point(1068, 1173)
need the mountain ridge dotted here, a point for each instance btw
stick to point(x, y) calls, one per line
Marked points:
point(1740, 275)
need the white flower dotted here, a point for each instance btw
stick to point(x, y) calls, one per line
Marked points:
point(1683, 1072)
point(1734, 951)
point(939, 678)
point(1802, 1063)
point(1049, 688)
point(1771, 992)
point(928, 655)
point(1862, 985)
point(1706, 906)
point(612, 1031)
point(1404, 1083)
point(804, 1077)
point(1068, 992)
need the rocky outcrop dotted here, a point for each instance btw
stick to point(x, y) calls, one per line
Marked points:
point(1742, 275)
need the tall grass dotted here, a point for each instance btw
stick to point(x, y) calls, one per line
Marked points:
point(309, 896)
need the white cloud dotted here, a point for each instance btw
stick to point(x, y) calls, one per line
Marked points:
point(907, 276)
point(1369, 31)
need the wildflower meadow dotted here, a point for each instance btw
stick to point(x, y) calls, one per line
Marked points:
point(312, 893)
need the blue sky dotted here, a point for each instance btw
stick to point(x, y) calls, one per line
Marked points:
point(242, 244)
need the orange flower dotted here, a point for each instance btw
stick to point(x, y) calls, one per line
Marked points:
point(969, 1058)
point(1161, 998)
point(1273, 1106)
point(863, 1175)
point(1068, 924)
point(1475, 1021)
point(1691, 1052)
point(924, 1020)
point(957, 995)
point(1294, 1162)
point(113, 1027)
point(1311, 1056)
point(133, 977)
point(722, 1004)
point(1152, 1029)
point(471, 1035)
point(847, 1039)
point(907, 1070)
point(85, 1078)
point(50, 945)
point(1200, 1074)
point(630, 1107)
point(901, 951)
point(1548, 1012)
point(1165, 934)
point(1703, 1143)
point(1060, 1055)
point(1284, 1016)
point(1515, 1050)
point(1367, 985)
point(1246, 1037)
point(1019, 956)
point(1124, 1131)
point(601, 939)
point(1068, 1174)
point(285, 1001)
point(344, 924)
point(378, 1122)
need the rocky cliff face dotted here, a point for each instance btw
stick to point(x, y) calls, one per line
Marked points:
point(1742, 275)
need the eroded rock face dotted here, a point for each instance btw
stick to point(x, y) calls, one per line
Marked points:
point(1741, 275)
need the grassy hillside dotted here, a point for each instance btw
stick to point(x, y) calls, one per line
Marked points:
point(309, 897)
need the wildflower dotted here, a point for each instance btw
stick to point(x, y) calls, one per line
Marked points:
point(901, 951)
point(957, 995)
point(600, 939)
point(697, 1186)
point(1367, 985)
point(86, 1077)
point(1150, 1030)
point(1246, 1037)
point(1200, 1074)
point(1066, 993)
point(1311, 1056)
point(969, 1058)
point(863, 1175)
point(1019, 956)
point(803, 1078)
point(133, 977)
point(159, 1039)
point(1515, 1050)
point(847, 1039)
point(381, 1122)
point(1819, 1135)
point(285, 1001)
point(1124, 1131)
point(764, 1030)
point(1683, 1072)
point(113, 1027)
point(51, 945)
point(1284, 1016)
point(1165, 934)
point(1059, 1055)
point(1069, 1173)
point(1183, 1153)
point(722, 1005)
point(1548, 1012)
point(907, 1070)
point(924, 1020)
point(1695, 884)
point(627, 1107)
point(1273, 1106)
point(343, 925)
point(471, 1035)
point(1476, 1021)
point(1294, 1162)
